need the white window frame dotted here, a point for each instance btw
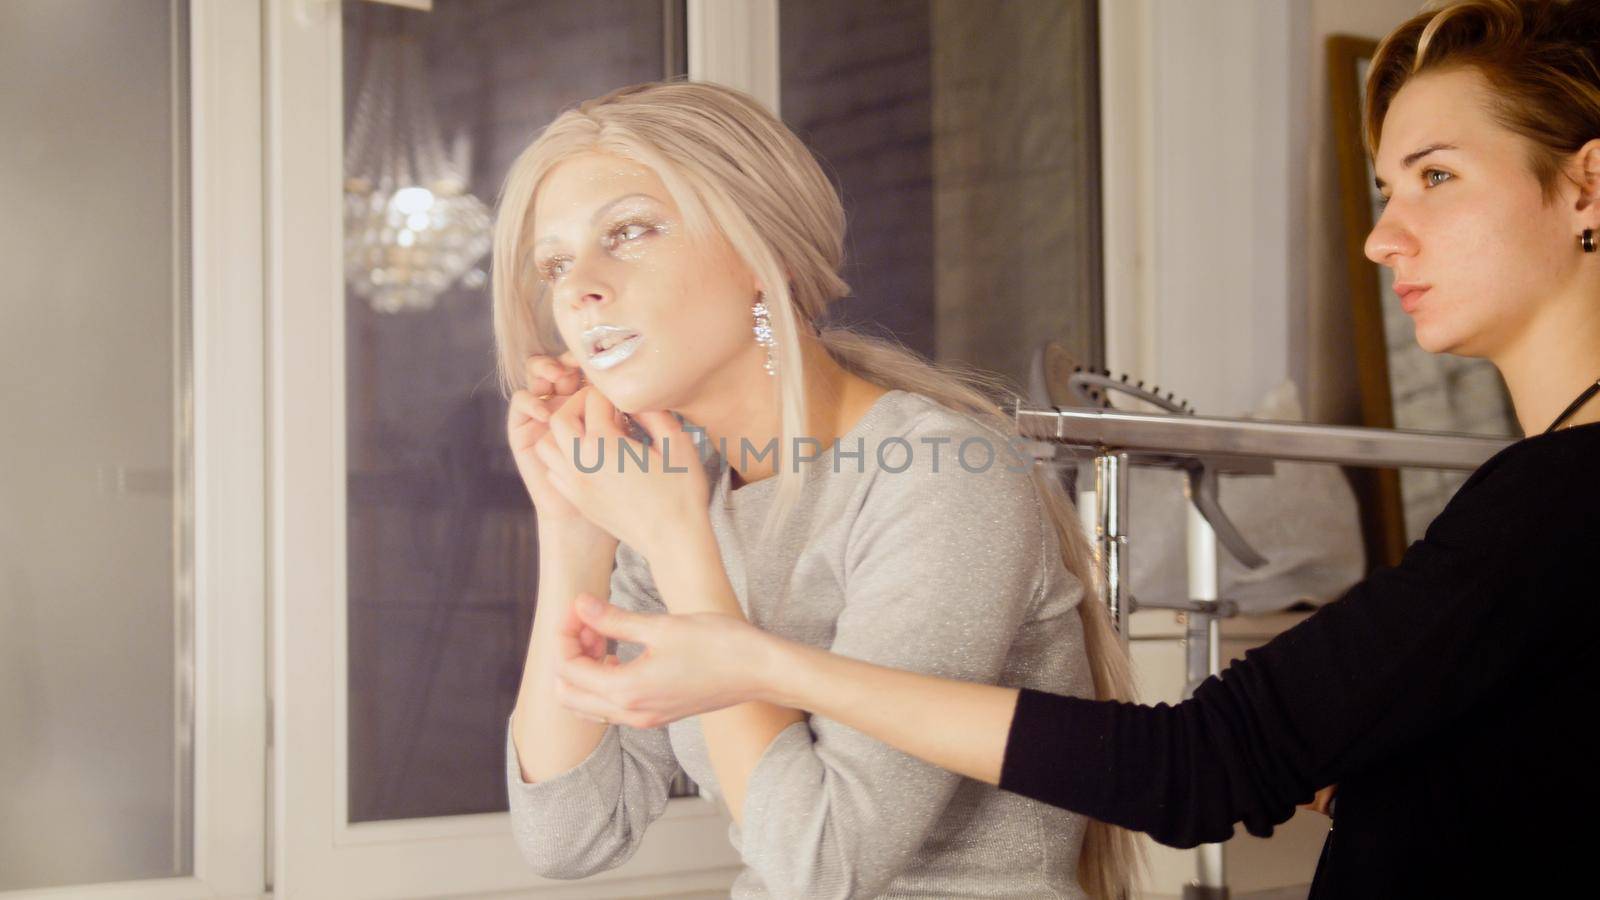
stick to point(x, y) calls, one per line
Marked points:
point(315, 851)
point(735, 42)
point(228, 678)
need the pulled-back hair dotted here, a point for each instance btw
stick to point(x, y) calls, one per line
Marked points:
point(1541, 59)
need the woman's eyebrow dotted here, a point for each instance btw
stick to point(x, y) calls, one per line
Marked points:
point(1415, 155)
point(598, 214)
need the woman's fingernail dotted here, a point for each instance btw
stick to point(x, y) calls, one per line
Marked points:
point(588, 604)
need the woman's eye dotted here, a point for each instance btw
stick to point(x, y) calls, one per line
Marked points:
point(1428, 176)
point(626, 228)
point(548, 269)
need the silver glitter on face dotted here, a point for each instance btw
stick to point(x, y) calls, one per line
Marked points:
point(633, 235)
point(612, 247)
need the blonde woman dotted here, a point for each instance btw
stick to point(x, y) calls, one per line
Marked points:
point(673, 245)
point(1445, 696)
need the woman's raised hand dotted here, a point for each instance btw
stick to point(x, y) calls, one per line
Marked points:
point(553, 383)
point(643, 495)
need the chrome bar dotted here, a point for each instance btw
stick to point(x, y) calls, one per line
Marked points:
point(1203, 646)
point(1152, 439)
point(1222, 609)
point(1111, 536)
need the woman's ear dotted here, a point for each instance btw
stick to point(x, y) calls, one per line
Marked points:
point(1585, 170)
point(788, 276)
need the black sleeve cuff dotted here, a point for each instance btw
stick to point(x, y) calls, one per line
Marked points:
point(1057, 750)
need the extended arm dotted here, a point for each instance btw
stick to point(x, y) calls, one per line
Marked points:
point(1397, 658)
point(893, 705)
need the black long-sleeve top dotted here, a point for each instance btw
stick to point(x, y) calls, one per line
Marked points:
point(1450, 698)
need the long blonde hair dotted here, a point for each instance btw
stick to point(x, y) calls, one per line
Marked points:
point(735, 169)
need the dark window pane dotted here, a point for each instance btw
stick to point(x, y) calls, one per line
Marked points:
point(442, 553)
point(965, 139)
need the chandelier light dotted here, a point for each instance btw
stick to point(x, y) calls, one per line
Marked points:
point(411, 227)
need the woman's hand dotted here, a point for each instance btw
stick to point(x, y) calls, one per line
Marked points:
point(1323, 801)
point(645, 496)
point(691, 664)
point(528, 421)
point(577, 641)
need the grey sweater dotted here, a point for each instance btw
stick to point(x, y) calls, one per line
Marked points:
point(938, 569)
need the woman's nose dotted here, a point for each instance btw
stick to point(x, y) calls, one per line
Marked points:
point(1388, 239)
point(585, 286)
point(581, 299)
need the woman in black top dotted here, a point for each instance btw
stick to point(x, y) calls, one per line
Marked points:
point(1444, 696)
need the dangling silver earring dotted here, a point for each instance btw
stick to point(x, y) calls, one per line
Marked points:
point(764, 333)
point(1587, 240)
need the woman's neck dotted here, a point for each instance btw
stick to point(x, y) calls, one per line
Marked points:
point(749, 423)
point(1546, 370)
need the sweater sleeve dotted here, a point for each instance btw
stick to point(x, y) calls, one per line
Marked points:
point(1396, 659)
point(592, 817)
point(941, 569)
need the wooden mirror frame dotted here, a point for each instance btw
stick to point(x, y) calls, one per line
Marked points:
point(1383, 523)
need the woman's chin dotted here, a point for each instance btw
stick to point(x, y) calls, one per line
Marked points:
point(1435, 339)
point(1439, 340)
point(626, 394)
point(1431, 345)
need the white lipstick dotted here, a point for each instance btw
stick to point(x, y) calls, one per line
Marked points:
point(623, 342)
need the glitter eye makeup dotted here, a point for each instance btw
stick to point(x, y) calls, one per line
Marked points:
point(622, 239)
point(626, 239)
point(546, 269)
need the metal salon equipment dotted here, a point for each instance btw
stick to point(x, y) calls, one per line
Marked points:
point(1116, 441)
point(1095, 389)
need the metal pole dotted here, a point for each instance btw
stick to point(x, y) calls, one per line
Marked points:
point(1111, 535)
point(1203, 654)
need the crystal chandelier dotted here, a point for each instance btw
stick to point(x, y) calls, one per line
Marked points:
point(411, 227)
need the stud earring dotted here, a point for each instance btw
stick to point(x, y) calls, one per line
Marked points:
point(764, 336)
point(1587, 240)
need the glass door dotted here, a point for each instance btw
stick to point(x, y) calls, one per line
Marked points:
point(132, 689)
point(94, 503)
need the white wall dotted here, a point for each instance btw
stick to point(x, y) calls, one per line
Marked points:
point(1225, 267)
point(1205, 161)
point(1227, 150)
